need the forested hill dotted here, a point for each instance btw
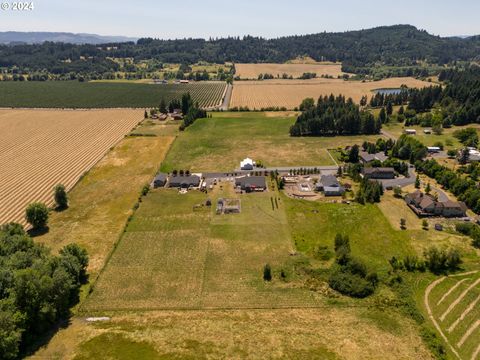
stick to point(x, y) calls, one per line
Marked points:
point(397, 45)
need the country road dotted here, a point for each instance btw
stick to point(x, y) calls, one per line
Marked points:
point(226, 99)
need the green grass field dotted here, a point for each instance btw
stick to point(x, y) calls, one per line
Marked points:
point(74, 94)
point(221, 142)
point(446, 138)
point(372, 237)
point(173, 256)
point(100, 204)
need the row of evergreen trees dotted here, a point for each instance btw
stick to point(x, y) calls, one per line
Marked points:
point(334, 116)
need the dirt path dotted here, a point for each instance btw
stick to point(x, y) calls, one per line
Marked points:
point(428, 290)
point(460, 298)
point(469, 332)
point(475, 353)
point(464, 314)
point(430, 314)
point(451, 290)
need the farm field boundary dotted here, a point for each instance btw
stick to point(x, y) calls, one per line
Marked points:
point(40, 149)
point(290, 93)
point(73, 94)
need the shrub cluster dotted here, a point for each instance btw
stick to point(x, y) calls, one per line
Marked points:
point(436, 260)
point(349, 275)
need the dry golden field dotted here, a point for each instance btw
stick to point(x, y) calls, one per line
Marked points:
point(251, 71)
point(290, 93)
point(42, 148)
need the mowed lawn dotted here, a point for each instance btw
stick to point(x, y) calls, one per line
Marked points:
point(173, 256)
point(221, 142)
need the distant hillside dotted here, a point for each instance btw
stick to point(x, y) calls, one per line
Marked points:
point(401, 46)
point(15, 37)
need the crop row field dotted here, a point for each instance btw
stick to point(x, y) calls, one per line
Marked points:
point(251, 71)
point(453, 305)
point(42, 148)
point(74, 94)
point(290, 93)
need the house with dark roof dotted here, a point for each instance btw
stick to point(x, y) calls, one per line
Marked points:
point(330, 186)
point(160, 180)
point(251, 183)
point(184, 181)
point(378, 173)
point(367, 158)
point(426, 205)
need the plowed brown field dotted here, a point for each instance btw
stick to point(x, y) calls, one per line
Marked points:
point(42, 148)
point(290, 93)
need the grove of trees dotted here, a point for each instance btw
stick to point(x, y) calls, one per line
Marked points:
point(37, 288)
point(334, 116)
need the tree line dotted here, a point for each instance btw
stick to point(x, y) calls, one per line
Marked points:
point(398, 46)
point(333, 116)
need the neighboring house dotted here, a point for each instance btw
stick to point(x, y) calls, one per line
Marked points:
point(367, 158)
point(160, 180)
point(427, 131)
point(426, 205)
point(251, 183)
point(247, 164)
point(433, 149)
point(473, 154)
point(410, 131)
point(184, 182)
point(379, 173)
point(337, 190)
point(330, 186)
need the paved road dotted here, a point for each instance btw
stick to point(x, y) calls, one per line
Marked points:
point(226, 99)
point(442, 196)
point(284, 169)
point(402, 181)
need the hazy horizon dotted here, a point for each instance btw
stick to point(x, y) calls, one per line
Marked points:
point(211, 18)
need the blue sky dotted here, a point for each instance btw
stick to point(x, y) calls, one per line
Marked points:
point(215, 18)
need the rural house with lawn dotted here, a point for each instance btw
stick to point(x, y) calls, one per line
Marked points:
point(330, 186)
point(184, 182)
point(367, 158)
point(251, 183)
point(426, 205)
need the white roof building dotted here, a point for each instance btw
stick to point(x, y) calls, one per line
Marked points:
point(247, 164)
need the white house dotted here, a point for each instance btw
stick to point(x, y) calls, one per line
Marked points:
point(247, 164)
point(410, 131)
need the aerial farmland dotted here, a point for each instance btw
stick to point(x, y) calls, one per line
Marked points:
point(43, 148)
point(290, 93)
point(185, 195)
